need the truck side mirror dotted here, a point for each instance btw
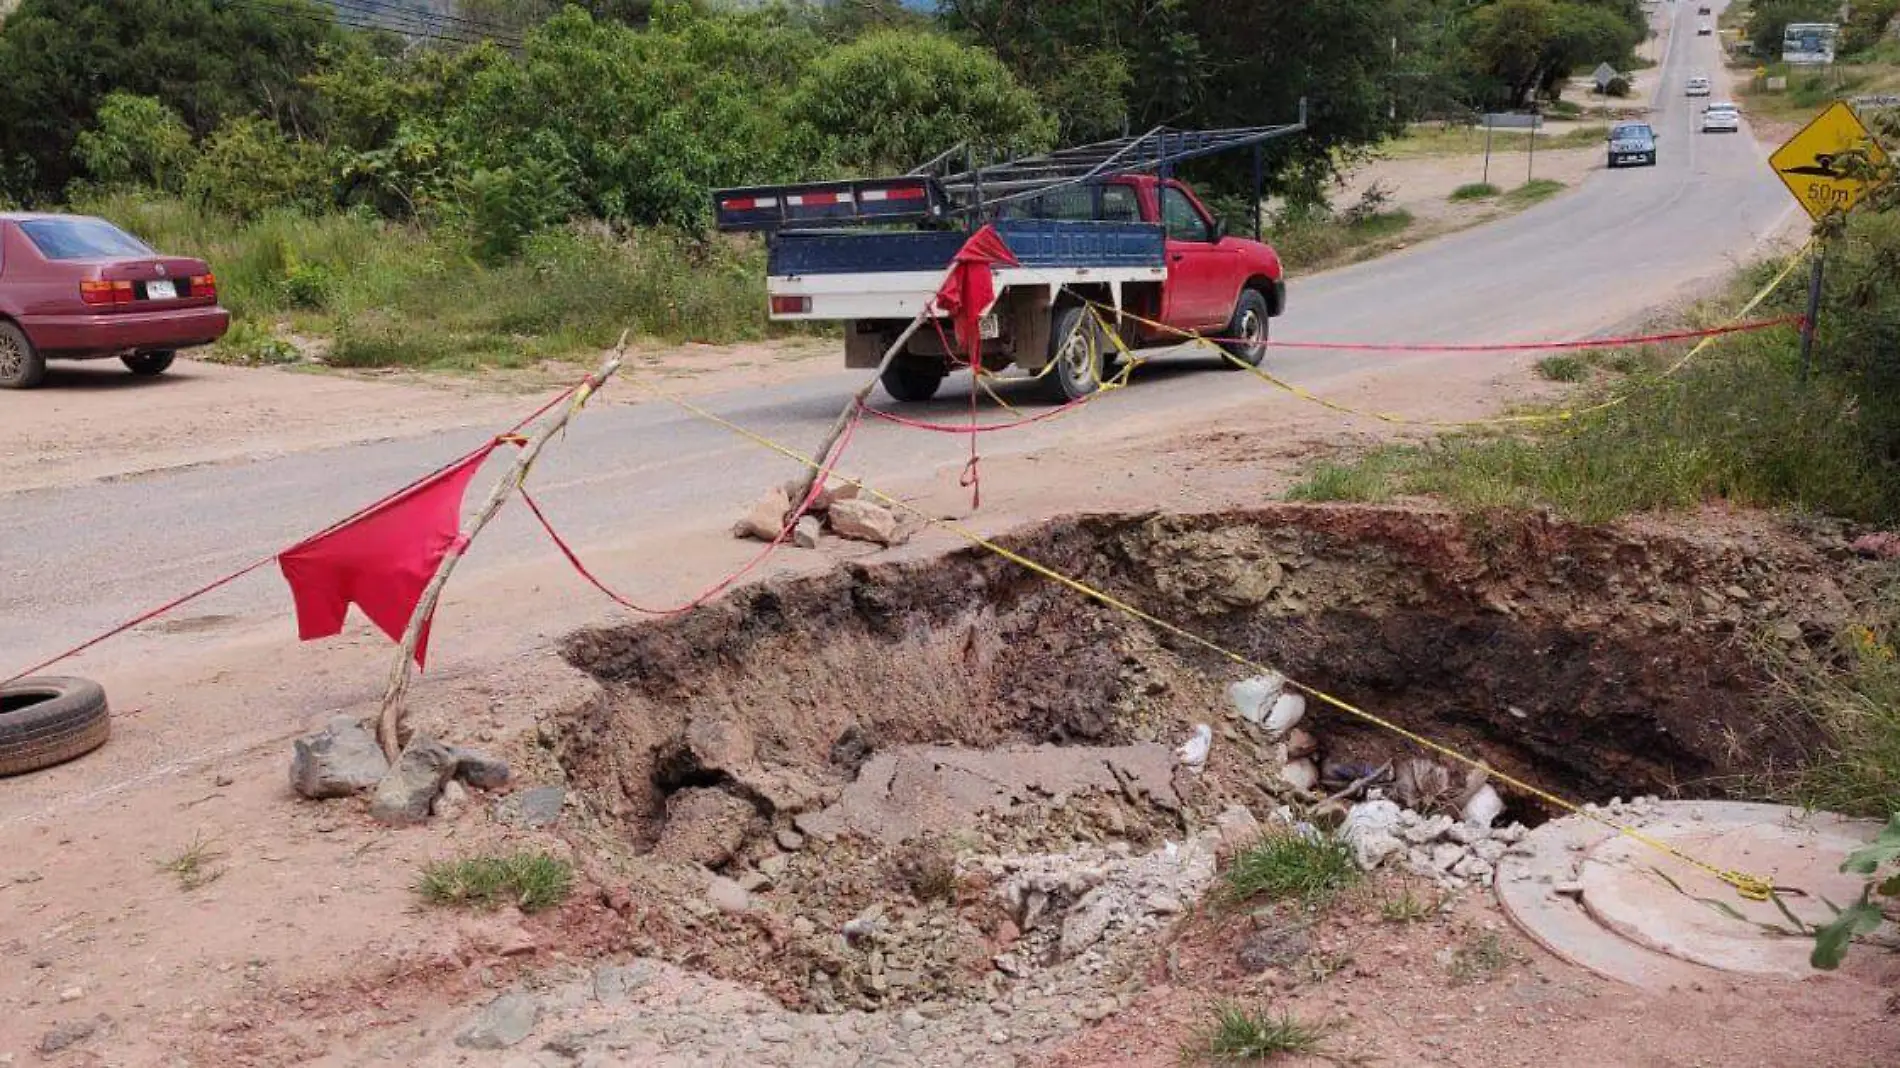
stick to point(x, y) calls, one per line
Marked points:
point(1220, 230)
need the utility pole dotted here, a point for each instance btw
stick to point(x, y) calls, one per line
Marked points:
point(1530, 167)
point(1486, 117)
point(1814, 307)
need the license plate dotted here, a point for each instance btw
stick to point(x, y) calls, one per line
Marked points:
point(161, 290)
point(989, 328)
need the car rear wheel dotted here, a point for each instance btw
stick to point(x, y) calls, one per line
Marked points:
point(1248, 330)
point(148, 363)
point(21, 365)
point(911, 378)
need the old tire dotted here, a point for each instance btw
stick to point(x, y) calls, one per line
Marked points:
point(911, 378)
point(1075, 355)
point(50, 719)
point(1248, 329)
point(21, 365)
point(147, 364)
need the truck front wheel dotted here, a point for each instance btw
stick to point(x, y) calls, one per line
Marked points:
point(911, 378)
point(1247, 332)
point(1075, 355)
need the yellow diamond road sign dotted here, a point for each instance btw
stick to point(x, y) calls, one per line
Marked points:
point(1808, 166)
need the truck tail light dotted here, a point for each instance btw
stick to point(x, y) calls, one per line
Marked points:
point(105, 293)
point(791, 305)
point(204, 285)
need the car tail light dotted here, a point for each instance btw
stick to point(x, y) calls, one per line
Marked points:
point(103, 293)
point(791, 305)
point(204, 285)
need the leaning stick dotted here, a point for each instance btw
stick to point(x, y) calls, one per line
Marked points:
point(389, 722)
point(810, 476)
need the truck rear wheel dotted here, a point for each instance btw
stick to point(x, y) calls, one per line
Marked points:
point(911, 378)
point(1075, 355)
point(1248, 330)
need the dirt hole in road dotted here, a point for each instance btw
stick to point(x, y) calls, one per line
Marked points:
point(837, 742)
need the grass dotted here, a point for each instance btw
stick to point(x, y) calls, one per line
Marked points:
point(1479, 959)
point(1324, 239)
point(928, 869)
point(1535, 191)
point(1563, 368)
point(1854, 696)
point(528, 881)
point(1809, 91)
point(1237, 1036)
point(395, 295)
point(1474, 191)
point(195, 866)
point(1285, 865)
point(1407, 906)
point(1436, 140)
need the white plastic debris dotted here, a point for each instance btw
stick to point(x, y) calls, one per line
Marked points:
point(1300, 774)
point(1288, 710)
point(1252, 697)
point(1193, 752)
point(1484, 806)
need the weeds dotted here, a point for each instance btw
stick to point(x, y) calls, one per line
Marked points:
point(1407, 906)
point(1420, 141)
point(1535, 191)
point(1479, 959)
point(196, 866)
point(1236, 1036)
point(1853, 696)
point(1474, 191)
point(1563, 368)
point(926, 869)
point(1286, 865)
point(528, 881)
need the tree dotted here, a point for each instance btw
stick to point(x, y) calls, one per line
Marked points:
point(207, 60)
point(1530, 45)
point(890, 100)
point(137, 141)
point(1768, 20)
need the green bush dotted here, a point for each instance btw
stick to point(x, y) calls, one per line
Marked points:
point(249, 166)
point(1618, 86)
point(135, 141)
point(1474, 191)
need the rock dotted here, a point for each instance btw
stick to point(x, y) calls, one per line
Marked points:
point(340, 760)
point(789, 840)
point(851, 749)
point(1164, 904)
point(1484, 807)
point(704, 825)
point(1430, 830)
point(728, 897)
point(774, 866)
point(754, 882)
point(1371, 829)
point(1300, 744)
point(1237, 827)
point(616, 983)
point(1490, 850)
point(863, 521)
point(766, 518)
point(1421, 784)
point(480, 770)
point(1086, 923)
point(1273, 947)
point(830, 495)
point(1300, 774)
point(533, 808)
point(68, 1034)
point(407, 791)
point(503, 1022)
point(71, 993)
point(1472, 868)
point(1445, 855)
point(1251, 698)
point(1288, 709)
point(805, 535)
point(1192, 754)
point(1467, 834)
point(1509, 834)
point(1371, 848)
point(451, 802)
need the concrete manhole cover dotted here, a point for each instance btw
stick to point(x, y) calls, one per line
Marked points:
point(1600, 900)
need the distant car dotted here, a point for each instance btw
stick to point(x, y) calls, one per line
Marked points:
point(1721, 118)
point(1697, 86)
point(1632, 142)
point(1704, 30)
point(74, 287)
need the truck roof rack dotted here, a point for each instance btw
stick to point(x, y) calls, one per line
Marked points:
point(953, 184)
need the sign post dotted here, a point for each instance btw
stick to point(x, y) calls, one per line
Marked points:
point(1809, 165)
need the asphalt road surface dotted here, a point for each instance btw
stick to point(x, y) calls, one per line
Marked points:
point(75, 560)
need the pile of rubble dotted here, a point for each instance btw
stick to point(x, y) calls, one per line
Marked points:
point(428, 778)
point(835, 508)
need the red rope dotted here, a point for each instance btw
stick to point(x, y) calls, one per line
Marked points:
point(1523, 346)
point(785, 531)
point(972, 476)
point(226, 580)
point(986, 428)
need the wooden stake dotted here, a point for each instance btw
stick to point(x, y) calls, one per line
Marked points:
point(389, 722)
point(844, 418)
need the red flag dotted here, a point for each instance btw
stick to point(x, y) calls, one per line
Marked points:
point(971, 288)
point(381, 560)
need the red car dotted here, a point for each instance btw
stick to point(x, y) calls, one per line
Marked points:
point(78, 288)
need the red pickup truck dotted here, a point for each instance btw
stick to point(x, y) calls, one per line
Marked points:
point(1139, 243)
point(76, 287)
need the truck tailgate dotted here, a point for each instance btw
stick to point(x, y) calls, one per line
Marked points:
point(1036, 243)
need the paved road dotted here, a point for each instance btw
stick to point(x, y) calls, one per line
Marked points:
point(73, 560)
